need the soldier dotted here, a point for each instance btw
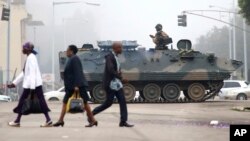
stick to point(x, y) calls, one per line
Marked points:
point(160, 38)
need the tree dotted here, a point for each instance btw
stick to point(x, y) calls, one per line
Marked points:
point(245, 9)
point(217, 41)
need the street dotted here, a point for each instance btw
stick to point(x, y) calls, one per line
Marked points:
point(171, 122)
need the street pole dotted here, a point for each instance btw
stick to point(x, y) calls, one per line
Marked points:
point(8, 51)
point(230, 40)
point(245, 50)
point(234, 33)
point(64, 33)
point(229, 30)
point(53, 47)
point(234, 37)
point(230, 37)
point(53, 30)
point(232, 49)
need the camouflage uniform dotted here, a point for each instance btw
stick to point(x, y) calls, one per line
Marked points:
point(160, 38)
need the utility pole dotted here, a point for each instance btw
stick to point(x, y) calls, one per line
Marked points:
point(230, 38)
point(54, 4)
point(234, 36)
point(245, 51)
point(232, 52)
point(8, 51)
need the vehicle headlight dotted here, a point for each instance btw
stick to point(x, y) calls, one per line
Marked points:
point(7, 99)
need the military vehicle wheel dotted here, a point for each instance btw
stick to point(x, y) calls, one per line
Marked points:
point(99, 94)
point(171, 92)
point(129, 92)
point(185, 92)
point(196, 91)
point(152, 92)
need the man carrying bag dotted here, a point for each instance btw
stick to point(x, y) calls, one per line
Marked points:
point(112, 83)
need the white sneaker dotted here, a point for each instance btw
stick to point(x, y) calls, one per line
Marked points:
point(47, 124)
point(13, 124)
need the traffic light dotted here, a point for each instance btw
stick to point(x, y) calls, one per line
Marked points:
point(5, 14)
point(182, 20)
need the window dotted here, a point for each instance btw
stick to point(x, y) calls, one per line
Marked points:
point(231, 85)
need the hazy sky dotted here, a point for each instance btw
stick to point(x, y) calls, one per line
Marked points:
point(133, 19)
point(115, 20)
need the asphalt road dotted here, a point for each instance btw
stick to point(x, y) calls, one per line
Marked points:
point(153, 122)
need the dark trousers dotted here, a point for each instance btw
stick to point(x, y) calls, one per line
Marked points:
point(109, 101)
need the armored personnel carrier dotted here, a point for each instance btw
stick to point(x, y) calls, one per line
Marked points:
point(157, 74)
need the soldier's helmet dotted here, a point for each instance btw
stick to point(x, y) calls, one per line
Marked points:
point(158, 27)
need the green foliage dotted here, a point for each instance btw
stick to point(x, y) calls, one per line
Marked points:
point(217, 41)
point(245, 9)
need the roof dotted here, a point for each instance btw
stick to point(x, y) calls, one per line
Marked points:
point(127, 44)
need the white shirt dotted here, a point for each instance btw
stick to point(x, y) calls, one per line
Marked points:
point(116, 84)
point(31, 76)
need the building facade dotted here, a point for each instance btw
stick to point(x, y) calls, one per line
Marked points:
point(17, 15)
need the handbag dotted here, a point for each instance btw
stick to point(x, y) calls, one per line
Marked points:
point(116, 84)
point(75, 104)
point(31, 105)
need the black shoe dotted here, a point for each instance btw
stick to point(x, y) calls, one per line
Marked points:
point(92, 124)
point(59, 123)
point(125, 124)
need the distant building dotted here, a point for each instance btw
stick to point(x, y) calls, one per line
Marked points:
point(18, 14)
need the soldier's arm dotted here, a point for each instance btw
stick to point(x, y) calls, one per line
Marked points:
point(152, 36)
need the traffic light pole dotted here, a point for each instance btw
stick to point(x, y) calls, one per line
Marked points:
point(233, 25)
point(245, 31)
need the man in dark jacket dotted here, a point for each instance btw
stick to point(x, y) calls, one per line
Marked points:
point(113, 71)
point(75, 82)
